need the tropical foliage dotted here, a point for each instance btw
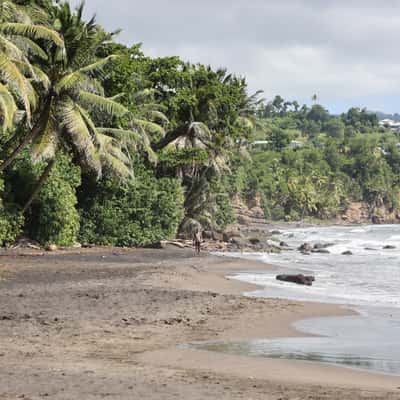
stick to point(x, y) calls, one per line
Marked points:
point(100, 143)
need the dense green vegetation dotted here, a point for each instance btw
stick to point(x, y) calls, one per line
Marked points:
point(100, 143)
point(306, 162)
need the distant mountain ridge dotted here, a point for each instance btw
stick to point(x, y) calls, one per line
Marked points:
point(381, 115)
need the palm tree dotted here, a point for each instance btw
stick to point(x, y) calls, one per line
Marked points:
point(213, 137)
point(72, 94)
point(18, 33)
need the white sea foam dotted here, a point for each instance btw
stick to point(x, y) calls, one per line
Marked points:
point(371, 276)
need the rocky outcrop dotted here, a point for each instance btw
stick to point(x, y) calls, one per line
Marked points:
point(250, 213)
point(300, 279)
point(361, 212)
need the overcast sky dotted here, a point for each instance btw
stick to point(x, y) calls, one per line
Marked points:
point(345, 51)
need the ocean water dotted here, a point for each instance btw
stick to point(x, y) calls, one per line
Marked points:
point(369, 277)
point(368, 281)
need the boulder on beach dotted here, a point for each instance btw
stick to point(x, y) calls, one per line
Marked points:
point(300, 279)
point(389, 247)
point(347, 253)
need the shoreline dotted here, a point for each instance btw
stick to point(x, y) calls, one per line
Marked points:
point(123, 313)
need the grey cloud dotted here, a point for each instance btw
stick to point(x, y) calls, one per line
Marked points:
point(341, 48)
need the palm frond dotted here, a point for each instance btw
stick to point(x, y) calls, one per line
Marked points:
point(132, 139)
point(103, 104)
point(16, 81)
point(76, 81)
point(73, 123)
point(13, 12)
point(115, 164)
point(156, 116)
point(68, 82)
point(41, 77)
point(8, 108)
point(45, 147)
point(97, 68)
point(94, 133)
point(11, 49)
point(34, 32)
point(28, 46)
point(149, 127)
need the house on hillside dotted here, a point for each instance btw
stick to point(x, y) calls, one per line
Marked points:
point(295, 144)
point(390, 124)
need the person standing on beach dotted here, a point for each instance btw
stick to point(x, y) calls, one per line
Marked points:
point(197, 239)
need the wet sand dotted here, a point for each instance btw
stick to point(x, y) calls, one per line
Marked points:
point(108, 323)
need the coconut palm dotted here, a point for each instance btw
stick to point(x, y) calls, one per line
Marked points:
point(18, 36)
point(71, 92)
point(72, 95)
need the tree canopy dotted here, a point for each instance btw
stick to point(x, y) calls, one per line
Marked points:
point(101, 143)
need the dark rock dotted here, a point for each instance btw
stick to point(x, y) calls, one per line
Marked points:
point(273, 249)
point(347, 253)
point(322, 245)
point(283, 244)
point(254, 240)
point(228, 235)
point(276, 233)
point(240, 242)
point(389, 247)
point(207, 234)
point(218, 236)
point(242, 220)
point(376, 219)
point(322, 251)
point(300, 279)
point(305, 248)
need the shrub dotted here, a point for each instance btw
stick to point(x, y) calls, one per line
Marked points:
point(52, 217)
point(137, 212)
point(57, 216)
point(11, 220)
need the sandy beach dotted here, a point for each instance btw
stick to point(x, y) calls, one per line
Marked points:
point(109, 323)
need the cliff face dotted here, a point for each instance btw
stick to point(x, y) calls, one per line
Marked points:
point(361, 212)
point(252, 215)
point(247, 214)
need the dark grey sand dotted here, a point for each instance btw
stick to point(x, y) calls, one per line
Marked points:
point(107, 323)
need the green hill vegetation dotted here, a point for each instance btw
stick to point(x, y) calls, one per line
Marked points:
point(102, 144)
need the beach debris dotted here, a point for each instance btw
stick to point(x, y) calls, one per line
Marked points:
point(389, 247)
point(51, 247)
point(347, 253)
point(300, 279)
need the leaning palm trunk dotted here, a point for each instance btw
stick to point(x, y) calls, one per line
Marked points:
point(31, 136)
point(39, 185)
